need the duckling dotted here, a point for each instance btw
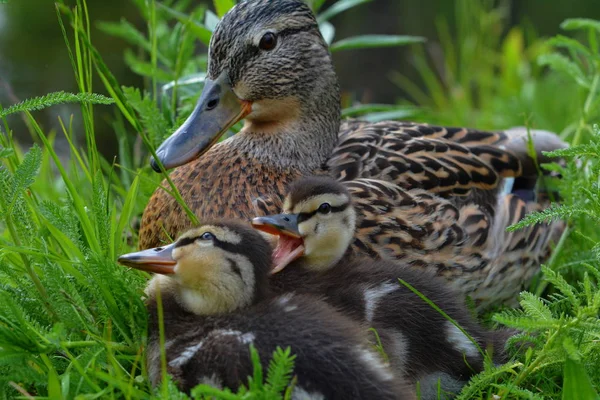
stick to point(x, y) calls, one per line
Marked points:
point(268, 64)
point(315, 235)
point(213, 282)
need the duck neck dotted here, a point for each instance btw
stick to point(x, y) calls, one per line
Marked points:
point(302, 141)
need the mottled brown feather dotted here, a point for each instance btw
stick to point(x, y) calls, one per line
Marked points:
point(452, 175)
point(417, 217)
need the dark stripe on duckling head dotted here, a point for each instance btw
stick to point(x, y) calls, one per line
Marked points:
point(308, 215)
point(236, 269)
point(306, 187)
point(185, 241)
point(252, 246)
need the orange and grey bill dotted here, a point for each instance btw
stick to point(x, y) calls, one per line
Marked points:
point(158, 260)
point(290, 245)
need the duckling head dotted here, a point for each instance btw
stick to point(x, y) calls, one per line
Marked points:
point(317, 225)
point(215, 268)
point(268, 63)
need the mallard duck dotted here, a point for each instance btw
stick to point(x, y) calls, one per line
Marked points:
point(316, 234)
point(270, 66)
point(214, 291)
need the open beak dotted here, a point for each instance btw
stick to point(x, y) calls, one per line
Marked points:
point(280, 224)
point(218, 109)
point(290, 245)
point(158, 260)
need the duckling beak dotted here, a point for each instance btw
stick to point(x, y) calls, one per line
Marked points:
point(290, 245)
point(280, 224)
point(158, 260)
point(218, 109)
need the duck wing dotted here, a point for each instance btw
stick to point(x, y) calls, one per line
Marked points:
point(441, 160)
point(467, 244)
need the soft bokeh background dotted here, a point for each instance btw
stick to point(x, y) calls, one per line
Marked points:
point(34, 60)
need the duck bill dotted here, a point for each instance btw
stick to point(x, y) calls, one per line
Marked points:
point(158, 260)
point(290, 245)
point(280, 224)
point(218, 109)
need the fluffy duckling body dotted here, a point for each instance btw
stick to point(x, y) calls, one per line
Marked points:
point(213, 286)
point(315, 237)
point(270, 66)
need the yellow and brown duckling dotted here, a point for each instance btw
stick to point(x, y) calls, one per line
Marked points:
point(270, 65)
point(315, 236)
point(213, 282)
point(466, 244)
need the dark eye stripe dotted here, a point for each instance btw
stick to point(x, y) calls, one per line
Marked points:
point(185, 241)
point(229, 247)
point(306, 216)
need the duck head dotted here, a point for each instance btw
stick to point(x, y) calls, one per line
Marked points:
point(317, 224)
point(215, 268)
point(269, 64)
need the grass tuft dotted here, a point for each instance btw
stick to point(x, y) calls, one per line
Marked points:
point(73, 323)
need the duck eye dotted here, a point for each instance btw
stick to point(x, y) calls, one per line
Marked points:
point(268, 41)
point(324, 208)
point(207, 236)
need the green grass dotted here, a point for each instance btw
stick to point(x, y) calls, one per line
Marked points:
point(72, 322)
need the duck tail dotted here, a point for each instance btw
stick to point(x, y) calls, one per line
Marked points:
point(530, 146)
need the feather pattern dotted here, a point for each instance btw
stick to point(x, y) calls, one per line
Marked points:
point(432, 196)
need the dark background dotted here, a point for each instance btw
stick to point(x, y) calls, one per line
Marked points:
point(34, 60)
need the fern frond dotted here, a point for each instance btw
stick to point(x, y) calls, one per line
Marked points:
point(25, 174)
point(524, 323)
point(152, 119)
point(535, 308)
point(255, 383)
point(478, 383)
point(554, 212)
point(562, 285)
point(280, 369)
point(52, 99)
point(591, 149)
point(520, 393)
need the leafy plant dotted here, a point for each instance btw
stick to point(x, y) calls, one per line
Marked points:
point(72, 322)
point(277, 385)
point(485, 74)
point(558, 351)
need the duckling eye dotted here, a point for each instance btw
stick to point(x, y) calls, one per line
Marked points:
point(268, 41)
point(324, 208)
point(207, 236)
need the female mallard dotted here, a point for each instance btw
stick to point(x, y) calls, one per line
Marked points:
point(270, 65)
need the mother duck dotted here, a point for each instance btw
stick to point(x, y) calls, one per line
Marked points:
point(269, 65)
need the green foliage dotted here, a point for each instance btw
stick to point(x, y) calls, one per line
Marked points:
point(55, 98)
point(277, 385)
point(62, 313)
point(558, 350)
point(72, 322)
point(360, 42)
point(478, 77)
